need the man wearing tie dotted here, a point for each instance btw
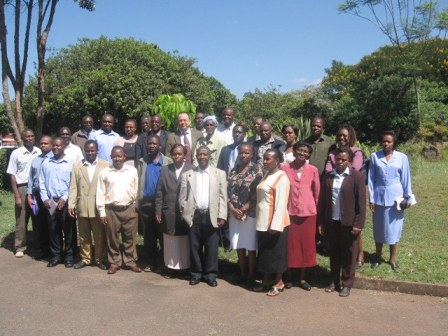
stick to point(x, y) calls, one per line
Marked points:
point(203, 206)
point(185, 136)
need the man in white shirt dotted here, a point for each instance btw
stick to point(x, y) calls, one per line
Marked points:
point(225, 129)
point(115, 200)
point(203, 205)
point(72, 151)
point(19, 171)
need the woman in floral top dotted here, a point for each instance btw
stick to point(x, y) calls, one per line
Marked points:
point(242, 187)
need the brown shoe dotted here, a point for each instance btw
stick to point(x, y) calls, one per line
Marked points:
point(135, 268)
point(112, 270)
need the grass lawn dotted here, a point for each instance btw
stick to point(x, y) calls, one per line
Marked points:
point(422, 252)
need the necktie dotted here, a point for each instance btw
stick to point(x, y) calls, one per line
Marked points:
point(188, 147)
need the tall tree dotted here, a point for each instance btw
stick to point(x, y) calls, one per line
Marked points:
point(404, 22)
point(15, 75)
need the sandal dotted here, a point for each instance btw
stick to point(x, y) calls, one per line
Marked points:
point(147, 269)
point(275, 291)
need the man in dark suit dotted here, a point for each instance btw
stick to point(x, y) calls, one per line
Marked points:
point(185, 136)
point(229, 154)
point(203, 206)
point(156, 129)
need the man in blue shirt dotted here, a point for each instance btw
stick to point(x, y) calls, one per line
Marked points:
point(35, 202)
point(105, 137)
point(149, 173)
point(54, 188)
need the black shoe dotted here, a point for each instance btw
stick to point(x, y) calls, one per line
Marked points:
point(212, 283)
point(394, 266)
point(194, 282)
point(79, 265)
point(102, 266)
point(288, 285)
point(305, 285)
point(53, 263)
point(68, 264)
point(345, 291)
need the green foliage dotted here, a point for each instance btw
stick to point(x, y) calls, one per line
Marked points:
point(169, 106)
point(279, 109)
point(121, 76)
point(3, 167)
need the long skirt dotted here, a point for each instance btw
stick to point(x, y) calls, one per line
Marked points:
point(176, 251)
point(243, 234)
point(301, 242)
point(387, 224)
point(272, 251)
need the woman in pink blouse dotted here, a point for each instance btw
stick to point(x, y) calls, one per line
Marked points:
point(302, 209)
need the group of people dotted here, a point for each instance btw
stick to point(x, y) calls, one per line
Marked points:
point(189, 191)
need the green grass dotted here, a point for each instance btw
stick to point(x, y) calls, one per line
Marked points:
point(422, 252)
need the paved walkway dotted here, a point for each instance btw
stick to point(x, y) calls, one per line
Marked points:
point(35, 300)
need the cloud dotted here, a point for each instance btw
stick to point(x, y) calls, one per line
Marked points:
point(300, 80)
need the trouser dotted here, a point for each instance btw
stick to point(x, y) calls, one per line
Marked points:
point(88, 227)
point(41, 236)
point(204, 243)
point(61, 234)
point(344, 248)
point(152, 235)
point(124, 222)
point(22, 215)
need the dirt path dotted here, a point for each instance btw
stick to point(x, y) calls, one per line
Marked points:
point(35, 300)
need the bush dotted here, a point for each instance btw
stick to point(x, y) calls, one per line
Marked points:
point(4, 155)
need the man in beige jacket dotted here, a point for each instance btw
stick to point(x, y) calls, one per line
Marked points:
point(82, 204)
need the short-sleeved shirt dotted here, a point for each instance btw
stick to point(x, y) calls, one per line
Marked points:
point(20, 163)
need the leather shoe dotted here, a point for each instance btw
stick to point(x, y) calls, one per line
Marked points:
point(52, 263)
point(288, 285)
point(345, 291)
point(80, 265)
point(305, 285)
point(68, 264)
point(135, 268)
point(112, 270)
point(212, 283)
point(194, 282)
point(102, 266)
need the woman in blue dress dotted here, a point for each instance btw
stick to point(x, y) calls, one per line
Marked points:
point(390, 193)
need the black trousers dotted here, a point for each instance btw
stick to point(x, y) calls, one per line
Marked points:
point(41, 236)
point(344, 248)
point(204, 243)
point(61, 235)
point(152, 233)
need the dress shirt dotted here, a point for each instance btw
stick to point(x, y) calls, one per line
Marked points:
point(336, 190)
point(152, 176)
point(54, 178)
point(90, 168)
point(188, 134)
point(226, 132)
point(36, 166)
point(116, 187)
point(203, 188)
point(73, 152)
point(233, 157)
point(105, 143)
point(178, 171)
point(20, 163)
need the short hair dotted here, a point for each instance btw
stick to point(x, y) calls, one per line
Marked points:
point(299, 144)
point(178, 145)
point(91, 142)
point(87, 116)
point(276, 153)
point(153, 136)
point(246, 144)
point(345, 149)
point(58, 139)
point(132, 121)
point(392, 134)
point(293, 127)
point(26, 130)
point(321, 118)
point(242, 126)
point(263, 119)
point(351, 134)
point(203, 147)
point(114, 148)
point(64, 128)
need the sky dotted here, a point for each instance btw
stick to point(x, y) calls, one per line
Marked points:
point(245, 44)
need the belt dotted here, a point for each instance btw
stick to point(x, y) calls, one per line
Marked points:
point(22, 184)
point(202, 211)
point(118, 207)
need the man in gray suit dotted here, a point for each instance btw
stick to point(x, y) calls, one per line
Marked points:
point(203, 205)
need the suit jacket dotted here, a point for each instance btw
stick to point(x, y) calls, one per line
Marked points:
point(352, 200)
point(141, 146)
point(167, 197)
point(82, 193)
point(141, 169)
point(224, 158)
point(217, 192)
point(174, 138)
